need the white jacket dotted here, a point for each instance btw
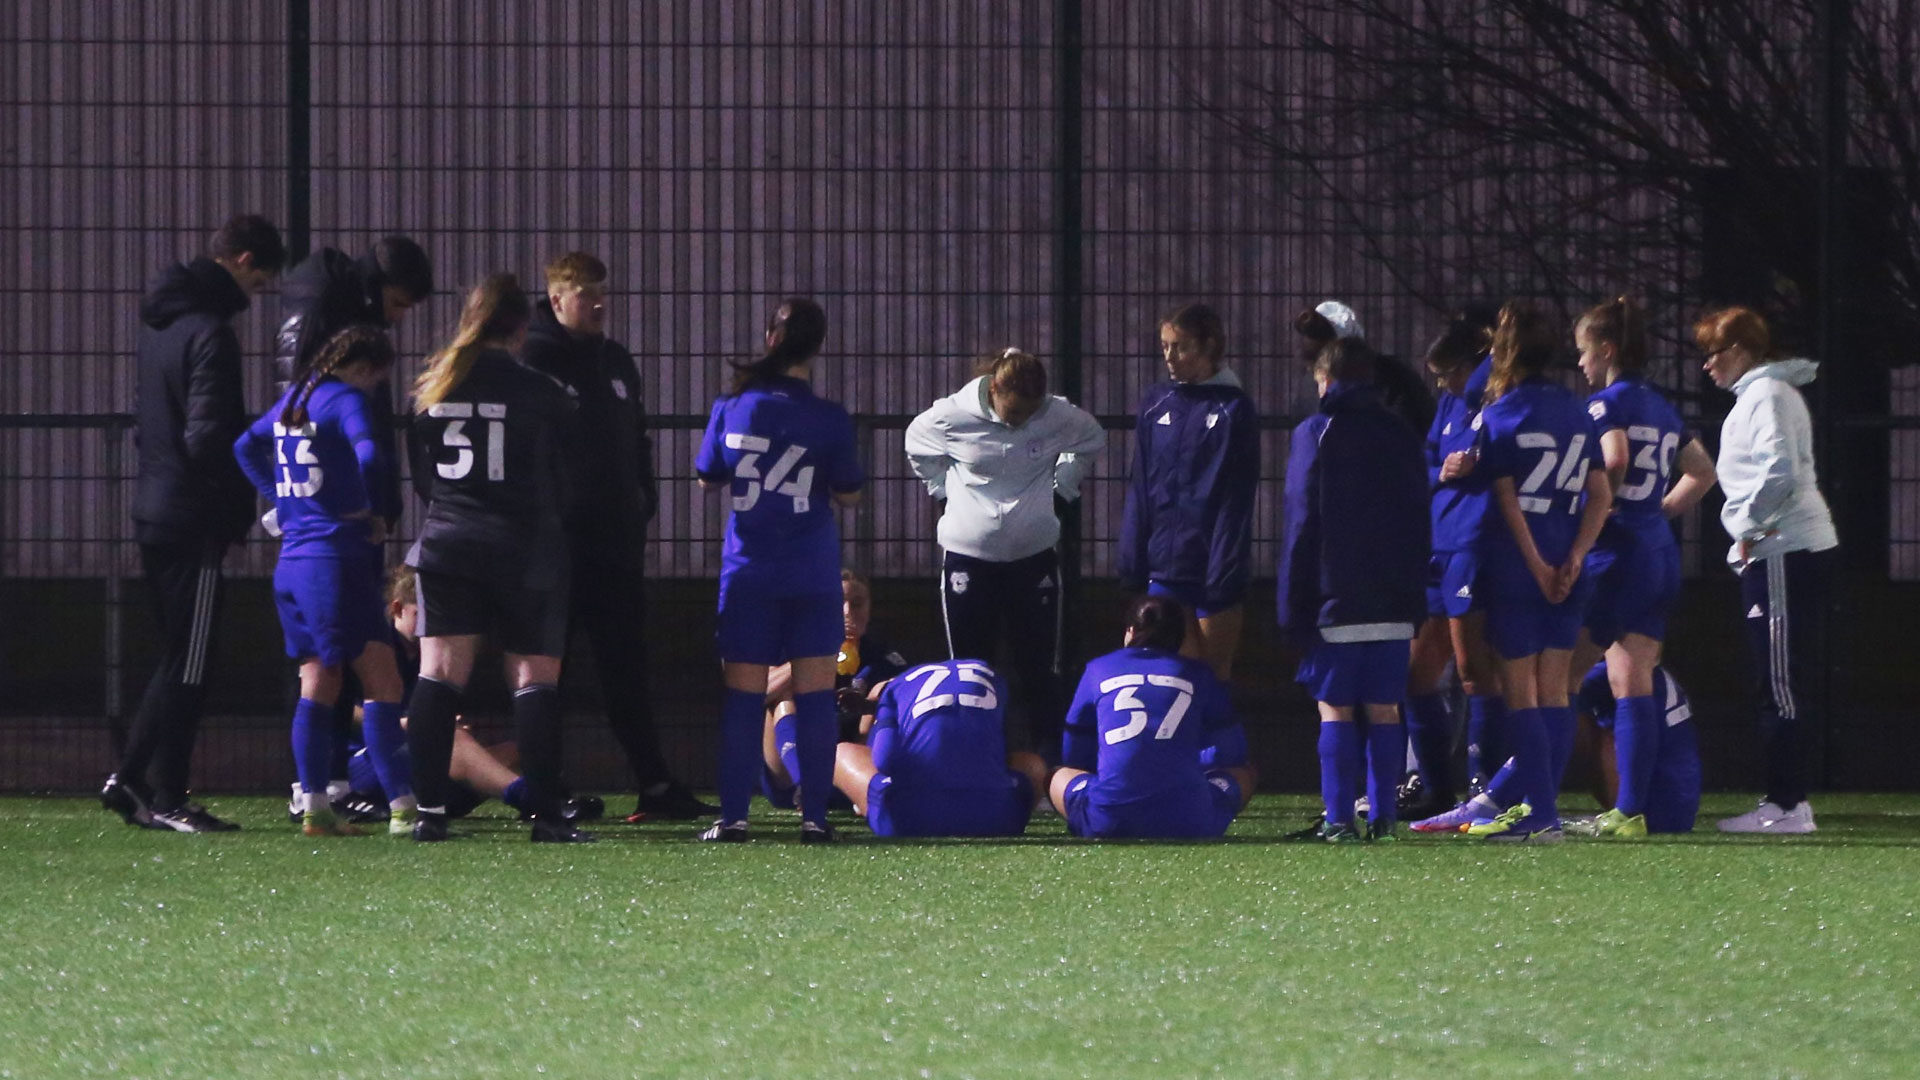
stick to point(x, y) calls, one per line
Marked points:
point(1766, 467)
point(999, 481)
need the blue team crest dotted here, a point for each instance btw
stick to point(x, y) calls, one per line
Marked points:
point(1035, 448)
point(1212, 419)
point(958, 580)
point(620, 389)
point(1166, 420)
point(1476, 422)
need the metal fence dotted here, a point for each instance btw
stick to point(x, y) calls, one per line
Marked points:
point(948, 178)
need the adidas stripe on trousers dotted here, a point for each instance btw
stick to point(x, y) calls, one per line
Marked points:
point(1783, 602)
point(185, 587)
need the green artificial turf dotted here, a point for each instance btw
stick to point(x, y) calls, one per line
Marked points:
point(263, 954)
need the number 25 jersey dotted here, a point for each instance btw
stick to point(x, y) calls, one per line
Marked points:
point(783, 453)
point(491, 462)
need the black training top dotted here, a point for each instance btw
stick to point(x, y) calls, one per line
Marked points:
point(493, 462)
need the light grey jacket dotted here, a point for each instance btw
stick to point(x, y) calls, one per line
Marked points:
point(999, 481)
point(1766, 467)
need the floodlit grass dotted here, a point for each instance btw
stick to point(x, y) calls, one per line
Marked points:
point(262, 954)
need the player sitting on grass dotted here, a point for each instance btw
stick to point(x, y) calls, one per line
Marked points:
point(1352, 582)
point(862, 669)
point(316, 454)
point(937, 761)
point(1135, 733)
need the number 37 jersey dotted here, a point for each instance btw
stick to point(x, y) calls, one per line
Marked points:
point(783, 454)
point(491, 462)
point(1149, 713)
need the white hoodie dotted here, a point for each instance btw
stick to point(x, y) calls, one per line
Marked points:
point(999, 481)
point(1766, 468)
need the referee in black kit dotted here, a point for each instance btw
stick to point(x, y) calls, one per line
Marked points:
point(607, 530)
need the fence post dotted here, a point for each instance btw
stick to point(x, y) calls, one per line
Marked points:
point(1069, 284)
point(1833, 24)
point(299, 129)
point(115, 643)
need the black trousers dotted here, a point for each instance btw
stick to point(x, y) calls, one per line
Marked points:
point(186, 590)
point(609, 604)
point(1784, 601)
point(1017, 605)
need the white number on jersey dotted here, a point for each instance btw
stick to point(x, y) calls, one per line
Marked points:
point(1125, 699)
point(1654, 459)
point(927, 700)
point(457, 413)
point(1571, 477)
point(781, 479)
point(302, 455)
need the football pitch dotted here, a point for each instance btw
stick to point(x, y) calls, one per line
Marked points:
point(263, 954)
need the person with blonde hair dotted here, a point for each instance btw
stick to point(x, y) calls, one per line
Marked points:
point(607, 531)
point(491, 450)
point(1783, 541)
point(998, 453)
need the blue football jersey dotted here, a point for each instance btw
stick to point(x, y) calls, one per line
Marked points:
point(1654, 436)
point(319, 474)
point(1538, 434)
point(942, 726)
point(1147, 714)
point(784, 453)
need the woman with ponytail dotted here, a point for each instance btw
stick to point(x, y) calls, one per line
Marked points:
point(491, 460)
point(787, 459)
point(1152, 748)
point(1656, 471)
point(317, 456)
point(1540, 455)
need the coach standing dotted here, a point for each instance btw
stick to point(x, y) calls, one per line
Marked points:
point(617, 498)
point(190, 504)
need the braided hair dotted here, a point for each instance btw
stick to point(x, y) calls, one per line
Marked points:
point(355, 344)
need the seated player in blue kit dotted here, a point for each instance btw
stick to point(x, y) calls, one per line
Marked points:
point(1139, 722)
point(1670, 785)
point(936, 762)
point(316, 454)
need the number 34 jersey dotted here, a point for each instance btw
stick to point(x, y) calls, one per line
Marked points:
point(1148, 713)
point(783, 453)
point(491, 462)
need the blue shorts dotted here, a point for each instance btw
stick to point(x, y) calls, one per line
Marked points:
point(1192, 596)
point(896, 811)
point(1520, 622)
point(1202, 813)
point(329, 608)
point(1673, 796)
point(1633, 590)
point(1450, 583)
point(770, 630)
point(1345, 674)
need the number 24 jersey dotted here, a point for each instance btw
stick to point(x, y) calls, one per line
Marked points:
point(783, 453)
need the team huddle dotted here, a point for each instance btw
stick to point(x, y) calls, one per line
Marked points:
point(1507, 532)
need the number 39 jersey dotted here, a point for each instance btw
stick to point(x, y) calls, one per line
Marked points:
point(491, 462)
point(784, 453)
point(1150, 713)
point(940, 726)
point(1538, 434)
point(1654, 437)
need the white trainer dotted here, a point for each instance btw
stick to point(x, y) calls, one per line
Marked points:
point(1768, 817)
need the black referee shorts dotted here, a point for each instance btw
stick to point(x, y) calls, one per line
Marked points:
point(521, 620)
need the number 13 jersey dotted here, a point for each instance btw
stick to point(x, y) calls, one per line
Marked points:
point(491, 462)
point(784, 453)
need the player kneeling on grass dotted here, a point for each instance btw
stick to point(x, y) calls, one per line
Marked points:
point(1139, 723)
point(1352, 581)
point(936, 761)
point(1665, 773)
point(317, 455)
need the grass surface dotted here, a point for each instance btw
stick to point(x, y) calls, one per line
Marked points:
point(262, 954)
